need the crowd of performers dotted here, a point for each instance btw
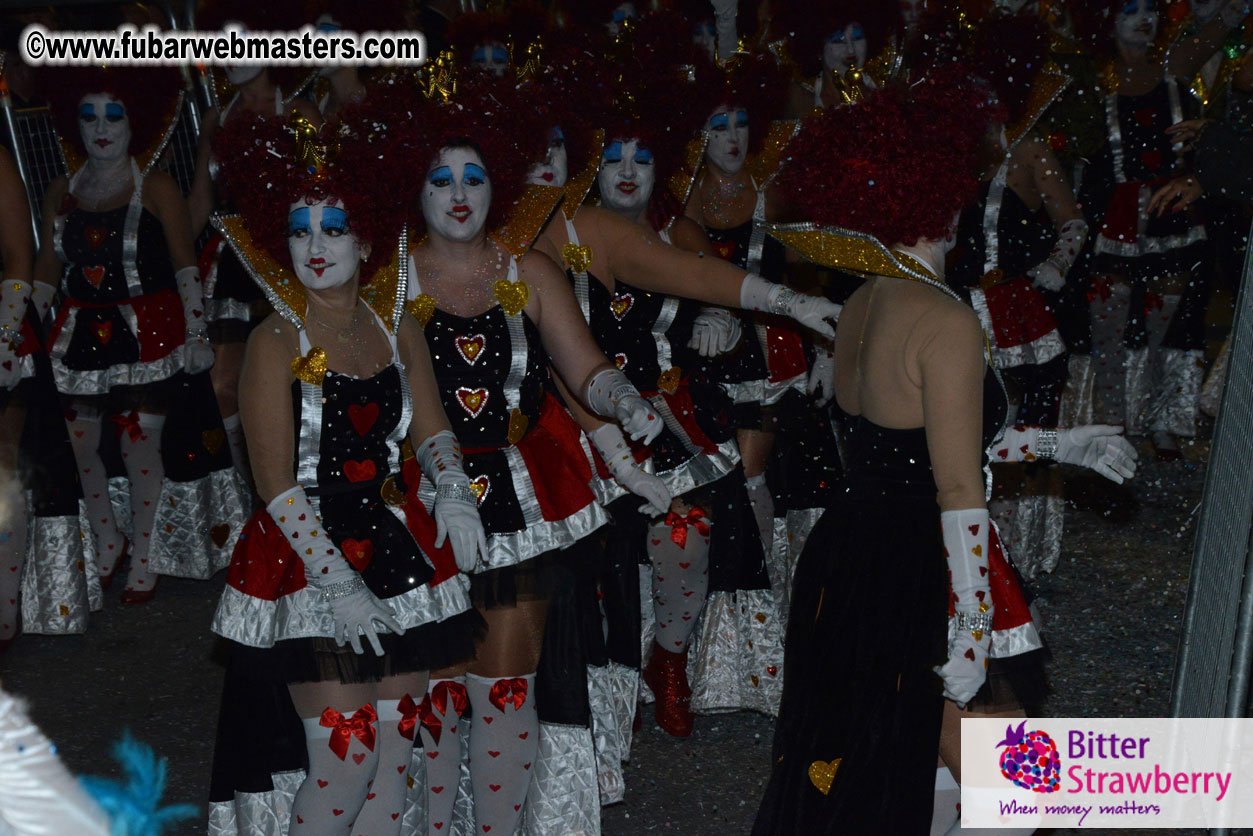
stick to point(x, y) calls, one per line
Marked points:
point(508, 391)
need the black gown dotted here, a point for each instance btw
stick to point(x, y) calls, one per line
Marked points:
point(868, 624)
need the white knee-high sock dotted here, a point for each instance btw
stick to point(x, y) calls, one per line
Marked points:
point(12, 551)
point(503, 746)
point(332, 795)
point(447, 701)
point(680, 581)
point(235, 438)
point(385, 801)
point(948, 797)
point(762, 500)
point(85, 438)
point(141, 453)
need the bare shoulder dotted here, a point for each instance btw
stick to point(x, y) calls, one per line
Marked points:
point(688, 235)
point(943, 320)
point(161, 187)
point(273, 340)
point(539, 271)
point(409, 335)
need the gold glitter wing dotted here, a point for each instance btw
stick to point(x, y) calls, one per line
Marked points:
point(528, 217)
point(580, 184)
point(1047, 86)
point(765, 163)
point(684, 179)
point(279, 284)
point(147, 158)
point(386, 292)
point(844, 249)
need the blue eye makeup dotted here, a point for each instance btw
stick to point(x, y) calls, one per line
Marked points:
point(479, 56)
point(858, 34)
point(644, 157)
point(500, 55)
point(334, 219)
point(474, 175)
point(719, 122)
point(1133, 7)
point(328, 27)
point(556, 137)
point(114, 112)
point(741, 118)
point(298, 221)
point(87, 113)
point(704, 30)
point(440, 177)
point(837, 38)
point(613, 153)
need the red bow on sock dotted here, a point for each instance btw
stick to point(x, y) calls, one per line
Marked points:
point(679, 523)
point(505, 690)
point(128, 424)
point(440, 696)
point(343, 728)
point(408, 716)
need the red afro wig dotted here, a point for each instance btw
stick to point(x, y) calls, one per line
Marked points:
point(808, 25)
point(755, 82)
point(149, 95)
point(898, 166)
point(571, 93)
point(261, 175)
point(1008, 53)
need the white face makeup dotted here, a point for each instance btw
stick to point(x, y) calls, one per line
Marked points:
point(324, 253)
point(554, 170)
point(911, 12)
point(706, 38)
point(104, 127)
point(239, 74)
point(845, 49)
point(493, 57)
point(1136, 24)
point(621, 13)
point(1206, 10)
point(627, 176)
point(457, 195)
point(728, 138)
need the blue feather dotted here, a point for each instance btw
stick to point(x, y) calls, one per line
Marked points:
point(133, 803)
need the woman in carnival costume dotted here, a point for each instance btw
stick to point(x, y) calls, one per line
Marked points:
point(860, 721)
point(129, 342)
point(316, 737)
point(233, 303)
point(1148, 301)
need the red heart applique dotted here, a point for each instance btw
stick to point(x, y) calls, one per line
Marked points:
point(358, 552)
point(495, 787)
point(526, 766)
point(338, 812)
point(493, 754)
point(472, 400)
point(969, 654)
point(363, 417)
point(103, 332)
point(470, 348)
point(974, 530)
point(983, 570)
point(1151, 159)
point(321, 784)
point(95, 236)
point(395, 816)
point(621, 305)
point(724, 249)
point(400, 769)
point(359, 471)
point(523, 736)
point(1145, 116)
point(94, 274)
point(437, 790)
point(487, 720)
point(620, 360)
point(370, 796)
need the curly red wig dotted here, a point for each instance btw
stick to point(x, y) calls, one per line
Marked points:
point(149, 95)
point(755, 82)
point(261, 176)
point(571, 93)
point(808, 25)
point(1008, 52)
point(898, 166)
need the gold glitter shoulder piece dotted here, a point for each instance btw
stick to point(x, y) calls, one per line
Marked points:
point(281, 287)
point(580, 184)
point(528, 217)
point(386, 292)
point(853, 252)
point(765, 163)
point(147, 158)
point(1045, 88)
point(683, 180)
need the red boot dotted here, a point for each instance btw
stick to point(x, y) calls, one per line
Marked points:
point(666, 675)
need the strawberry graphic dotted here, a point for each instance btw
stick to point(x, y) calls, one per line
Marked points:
point(1030, 759)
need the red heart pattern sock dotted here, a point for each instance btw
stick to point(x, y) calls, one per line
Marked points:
point(141, 453)
point(440, 715)
point(680, 580)
point(84, 432)
point(503, 747)
point(385, 801)
point(335, 789)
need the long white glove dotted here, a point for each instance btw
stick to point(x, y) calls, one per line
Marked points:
point(965, 535)
point(612, 395)
point(197, 353)
point(38, 795)
point(814, 312)
point(456, 507)
point(42, 295)
point(613, 448)
point(715, 331)
point(822, 377)
point(353, 606)
point(1098, 447)
point(1050, 273)
point(14, 294)
point(724, 28)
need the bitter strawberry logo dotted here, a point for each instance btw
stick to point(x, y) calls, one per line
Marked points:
point(1030, 759)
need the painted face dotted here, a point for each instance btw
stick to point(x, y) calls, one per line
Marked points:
point(493, 57)
point(845, 49)
point(728, 138)
point(627, 176)
point(706, 38)
point(1013, 7)
point(324, 253)
point(911, 12)
point(554, 170)
point(1206, 10)
point(457, 195)
point(1136, 24)
point(104, 127)
point(239, 74)
point(621, 14)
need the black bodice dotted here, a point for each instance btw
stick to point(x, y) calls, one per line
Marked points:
point(623, 323)
point(93, 246)
point(731, 244)
point(1024, 239)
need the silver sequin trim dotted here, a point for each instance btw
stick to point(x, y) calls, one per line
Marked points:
point(258, 813)
point(190, 515)
point(57, 575)
point(564, 795)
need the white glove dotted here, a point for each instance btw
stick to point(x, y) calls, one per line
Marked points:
point(353, 606)
point(715, 331)
point(612, 395)
point(1047, 276)
point(197, 353)
point(1050, 274)
point(822, 377)
point(456, 507)
point(14, 294)
point(1100, 447)
point(814, 312)
point(965, 535)
point(724, 28)
point(613, 448)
